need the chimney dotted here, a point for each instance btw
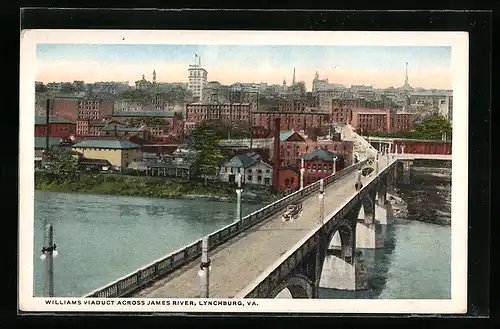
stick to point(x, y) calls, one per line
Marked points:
point(276, 153)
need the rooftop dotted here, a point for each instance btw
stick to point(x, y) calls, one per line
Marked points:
point(322, 154)
point(151, 114)
point(106, 144)
point(41, 120)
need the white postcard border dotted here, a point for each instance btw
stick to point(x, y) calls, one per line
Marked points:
point(459, 66)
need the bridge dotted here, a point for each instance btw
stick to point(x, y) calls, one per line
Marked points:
point(259, 255)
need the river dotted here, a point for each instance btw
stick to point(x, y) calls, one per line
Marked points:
point(101, 238)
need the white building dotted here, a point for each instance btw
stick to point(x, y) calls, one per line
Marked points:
point(197, 80)
point(251, 168)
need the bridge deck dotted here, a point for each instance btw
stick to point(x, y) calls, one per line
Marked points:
point(238, 262)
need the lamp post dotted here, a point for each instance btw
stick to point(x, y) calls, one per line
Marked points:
point(49, 251)
point(334, 165)
point(239, 190)
point(205, 267)
point(302, 170)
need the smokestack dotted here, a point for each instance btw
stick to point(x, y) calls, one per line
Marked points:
point(47, 123)
point(276, 153)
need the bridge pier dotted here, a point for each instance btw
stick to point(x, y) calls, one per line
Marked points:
point(343, 273)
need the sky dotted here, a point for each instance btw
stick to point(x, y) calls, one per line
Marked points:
point(380, 66)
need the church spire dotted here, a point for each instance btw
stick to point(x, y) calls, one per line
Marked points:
point(154, 76)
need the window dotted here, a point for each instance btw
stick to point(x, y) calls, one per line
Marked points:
point(259, 171)
point(287, 181)
point(249, 171)
point(231, 170)
point(308, 168)
point(314, 167)
point(291, 180)
point(267, 181)
point(239, 170)
point(268, 171)
point(249, 177)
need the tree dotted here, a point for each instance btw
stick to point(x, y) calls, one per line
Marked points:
point(204, 139)
point(299, 86)
point(434, 127)
point(63, 167)
point(40, 88)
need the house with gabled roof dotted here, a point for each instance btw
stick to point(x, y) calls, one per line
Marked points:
point(250, 167)
point(119, 153)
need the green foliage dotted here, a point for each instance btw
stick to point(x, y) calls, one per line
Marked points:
point(40, 88)
point(205, 140)
point(134, 94)
point(431, 128)
point(62, 168)
point(434, 127)
point(299, 86)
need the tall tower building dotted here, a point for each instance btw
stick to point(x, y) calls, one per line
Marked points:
point(293, 79)
point(154, 77)
point(197, 79)
point(406, 85)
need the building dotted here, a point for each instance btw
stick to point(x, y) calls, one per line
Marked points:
point(293, 146)
point(297, 121)
point(289, 180)
point(119, 153)
point(65, 107)
point(197, 80)
point(165, 123)
point(228, 112)
point(382, 120)
point(88, 127)
point(94, 108)
point(320, 164)
point(57, 127)
point(404, 121)
point(373, 120)
point(251, 168)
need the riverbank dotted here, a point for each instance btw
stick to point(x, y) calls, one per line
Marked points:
point(152, 187)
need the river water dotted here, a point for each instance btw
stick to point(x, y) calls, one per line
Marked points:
point(101, 238)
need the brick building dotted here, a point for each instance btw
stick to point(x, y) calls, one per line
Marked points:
point(94, 108)
point(88, 127)
point(320, 164)
point(290, 120)
point(65, 108)
point(288, 179)
point(172, 124)
point(228, 112)
point(404, 122)
point(293, 146)
point(57, 127)
point(382, 120)
point(373, 120)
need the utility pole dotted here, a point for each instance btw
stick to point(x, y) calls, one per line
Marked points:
point(239, 190)
point(49, 251)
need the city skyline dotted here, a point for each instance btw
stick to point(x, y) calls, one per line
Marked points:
point(381, 66)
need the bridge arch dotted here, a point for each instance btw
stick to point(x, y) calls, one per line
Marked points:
point(298, 286)
point(341, 241)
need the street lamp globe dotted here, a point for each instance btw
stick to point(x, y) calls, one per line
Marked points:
point(201, 273)
point(55, 253)
point(43, 256)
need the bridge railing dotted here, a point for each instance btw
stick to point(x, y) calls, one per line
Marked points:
point(175, 260)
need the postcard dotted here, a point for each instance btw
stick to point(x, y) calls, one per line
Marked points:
point(243, 171)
